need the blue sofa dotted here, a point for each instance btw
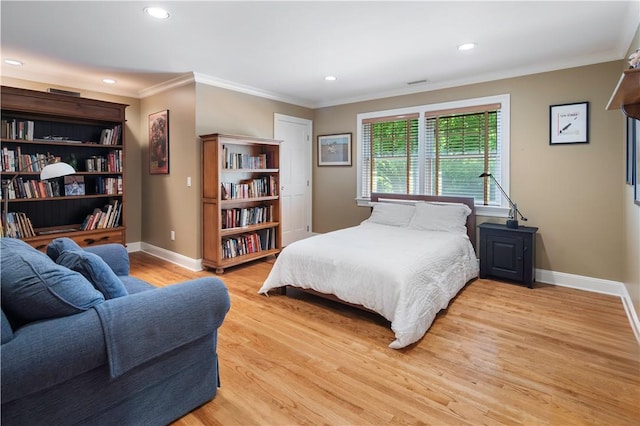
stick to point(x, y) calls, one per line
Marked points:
point(85, 343)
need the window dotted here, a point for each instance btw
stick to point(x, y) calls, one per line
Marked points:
point(438, 149)
point(391, 152)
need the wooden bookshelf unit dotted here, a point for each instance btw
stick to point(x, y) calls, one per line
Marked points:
point(240, 200)
point(86, 133)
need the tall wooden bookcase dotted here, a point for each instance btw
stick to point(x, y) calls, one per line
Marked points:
point(86, 133)
point(240, 200)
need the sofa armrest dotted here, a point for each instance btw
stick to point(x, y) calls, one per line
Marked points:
point(145, 325)
point(45, 353)
point(115, 255)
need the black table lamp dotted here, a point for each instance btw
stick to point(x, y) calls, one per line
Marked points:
point(512, 222)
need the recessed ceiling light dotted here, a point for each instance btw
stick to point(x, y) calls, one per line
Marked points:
point(467, 46)
point(108, 81)
point(156, 12)
point(330, 78)
point(13, 62)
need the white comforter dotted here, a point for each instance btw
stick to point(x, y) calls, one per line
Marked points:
point(405, 275)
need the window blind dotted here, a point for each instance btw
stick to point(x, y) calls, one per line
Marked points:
point(390, 154)
point(459, 148)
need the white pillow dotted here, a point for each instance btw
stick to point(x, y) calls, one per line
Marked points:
point(392, 214)
point(440, 217)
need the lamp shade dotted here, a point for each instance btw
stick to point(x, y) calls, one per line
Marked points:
point(56, 170)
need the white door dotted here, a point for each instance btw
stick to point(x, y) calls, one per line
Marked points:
point(295, 176)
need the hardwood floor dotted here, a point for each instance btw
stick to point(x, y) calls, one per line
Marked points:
point(500, 354)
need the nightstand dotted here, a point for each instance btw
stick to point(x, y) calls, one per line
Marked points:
point(508, 253)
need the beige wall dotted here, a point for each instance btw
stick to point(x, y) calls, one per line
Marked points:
point(168, 204)
point(571, 192)
point(631, 219)
point(133, 144)
point(225, 111)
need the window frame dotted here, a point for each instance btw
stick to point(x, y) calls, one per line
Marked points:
point(505, 110)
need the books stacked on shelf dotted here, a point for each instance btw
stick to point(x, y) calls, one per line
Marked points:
point(18, 226)
point(240, 218)
point(265, 186)
point(9, 163)
point(17, 129)
point(109, 185)
point(14, 161)
point(111, 136)
point(32, 188)
point(107, 217)
point(244, 244)
point(235, 160)
point(111, 163)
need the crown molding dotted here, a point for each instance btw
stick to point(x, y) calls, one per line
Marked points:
point(181, 80)
point(250, 90)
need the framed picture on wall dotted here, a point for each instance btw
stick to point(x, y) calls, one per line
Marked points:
point(159, 142)
point(569, 123)
point(334, 150)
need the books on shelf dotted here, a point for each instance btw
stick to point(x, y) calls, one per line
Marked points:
point(17, 129)
point(254, 242)
point(113, 162)
point(237, 160)
point(265, 186)
point(32, 188)
point(18, 226)
point(109, 185)
point(13, 160)
point(243, 217)
point(107, 217)
point(111, 136)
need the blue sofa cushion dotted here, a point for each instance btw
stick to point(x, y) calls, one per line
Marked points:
point(57, 246)
point(34, 287)
point(96, 270)
point(115, 255)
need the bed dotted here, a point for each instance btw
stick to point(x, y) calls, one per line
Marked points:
point(405, 262)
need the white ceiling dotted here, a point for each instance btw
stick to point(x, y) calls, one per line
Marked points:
point(283, 50)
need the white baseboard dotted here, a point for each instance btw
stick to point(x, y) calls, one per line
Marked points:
point(170, 256)
point(131, 247)
point(596, 285)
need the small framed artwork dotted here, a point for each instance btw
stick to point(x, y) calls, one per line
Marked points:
point(569, 123)
point(334, 150)
point(73, 185)
point(159, 142)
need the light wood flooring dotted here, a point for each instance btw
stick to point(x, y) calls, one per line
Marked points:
point(501, 354)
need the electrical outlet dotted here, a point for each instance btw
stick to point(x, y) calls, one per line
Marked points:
point(188, 180)
point(173, 235)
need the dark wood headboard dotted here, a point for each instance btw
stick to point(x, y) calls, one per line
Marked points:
point(471, 219)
